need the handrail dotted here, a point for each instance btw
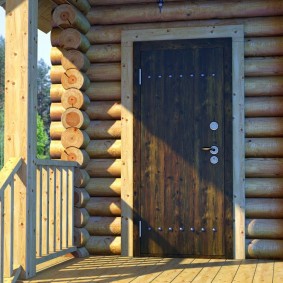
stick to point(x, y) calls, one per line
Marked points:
point(7, 175)
point(9, 170)
point(55, 162)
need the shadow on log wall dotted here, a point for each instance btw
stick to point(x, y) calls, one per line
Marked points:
point(86, 93)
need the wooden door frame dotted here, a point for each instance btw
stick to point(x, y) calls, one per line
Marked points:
point(236, 32)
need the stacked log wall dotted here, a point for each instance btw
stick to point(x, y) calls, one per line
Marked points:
point(263, 28)
point(85, 129)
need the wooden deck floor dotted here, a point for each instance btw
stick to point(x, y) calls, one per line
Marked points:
point(161, 270)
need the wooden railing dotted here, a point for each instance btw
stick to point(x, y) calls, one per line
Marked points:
point(7, 215)
point(54, 209)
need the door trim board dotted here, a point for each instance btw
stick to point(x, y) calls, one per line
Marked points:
point(236, 32)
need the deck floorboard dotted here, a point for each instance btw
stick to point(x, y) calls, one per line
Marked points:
point(107, 269)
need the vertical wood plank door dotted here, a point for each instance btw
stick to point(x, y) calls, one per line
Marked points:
point(183, 148)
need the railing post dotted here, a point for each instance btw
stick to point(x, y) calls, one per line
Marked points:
point(20, 122)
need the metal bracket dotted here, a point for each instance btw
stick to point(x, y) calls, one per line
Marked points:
point(140, 229)
point(140, 76)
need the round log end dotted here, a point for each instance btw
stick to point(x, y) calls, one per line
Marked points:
point(73, 78)
point(73, 117)
point(73, 137)
point(71, 38)
point(81, 252)
point(77, 155)
point(81, 197)
point(74, 59)
point(66, 15)
point(74, 98)
point(81, 237)
point(81, 178)
point(81, 217)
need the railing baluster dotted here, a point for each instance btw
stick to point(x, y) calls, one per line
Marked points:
point(71, 207)
point(52, 209)
point(8, 236)
point(45, 210)
point(64, 208)
point(54, 212)
point(55, 196)
point(58, 209)
point(38, 212)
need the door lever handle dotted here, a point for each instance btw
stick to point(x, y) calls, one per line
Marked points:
point(206, 148)
point(213, 149)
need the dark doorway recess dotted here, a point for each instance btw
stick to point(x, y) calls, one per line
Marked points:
point(183, 182)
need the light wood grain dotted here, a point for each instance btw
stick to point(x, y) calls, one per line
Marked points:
point(145, 269)
point(20, 121)
point(246, 272)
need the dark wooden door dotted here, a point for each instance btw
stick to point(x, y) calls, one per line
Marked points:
point(182, 188)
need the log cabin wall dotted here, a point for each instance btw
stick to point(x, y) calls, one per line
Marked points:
point(86, 93)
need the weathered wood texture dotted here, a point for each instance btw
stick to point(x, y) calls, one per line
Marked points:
point(86, 61)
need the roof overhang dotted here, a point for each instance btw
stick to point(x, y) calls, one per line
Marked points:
point(44, 14)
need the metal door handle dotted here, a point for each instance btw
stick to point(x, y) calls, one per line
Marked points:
point(206, 148)
point(213, 149)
